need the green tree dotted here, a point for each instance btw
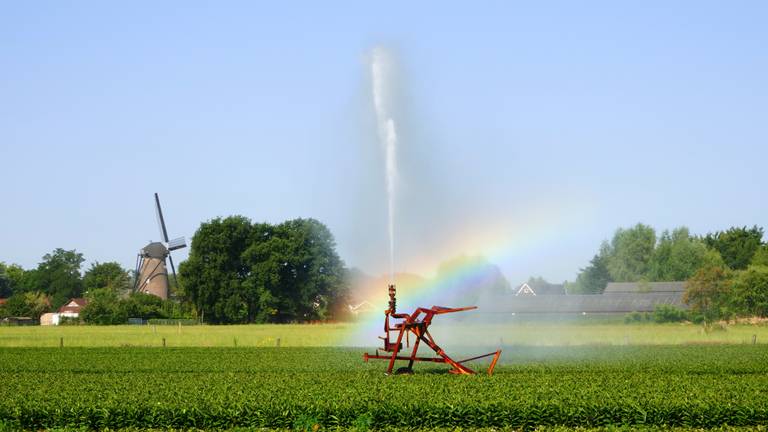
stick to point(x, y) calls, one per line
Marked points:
point(6, 283)
point(737, 246)
point(710, 292)
point(761, 256)
point(146, 306)
point(58, 276)
point(103, 308)
point(593, 278)
point(214, 273)
point(750, 288)
point(295, 272)
point(27, 304)
point(631, 253)
point(106, 275)
point(679, 255)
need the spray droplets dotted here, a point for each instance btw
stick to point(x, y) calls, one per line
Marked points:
point(380, 65)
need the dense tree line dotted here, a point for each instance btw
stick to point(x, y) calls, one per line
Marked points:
point(727, 271)
point(59, 277)
point(244, 272)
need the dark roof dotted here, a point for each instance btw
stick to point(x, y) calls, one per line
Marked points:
point(595, 303)
point(644, 287)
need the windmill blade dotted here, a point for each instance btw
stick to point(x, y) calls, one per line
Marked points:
point(160, 218)
point(137, 272)
point(173, 268)
point(177, 243)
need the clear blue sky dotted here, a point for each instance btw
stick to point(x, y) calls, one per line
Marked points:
point(562, 120)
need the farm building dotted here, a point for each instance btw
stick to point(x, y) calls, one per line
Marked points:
point(71, 309)
point(618, 298)
point(533, 288)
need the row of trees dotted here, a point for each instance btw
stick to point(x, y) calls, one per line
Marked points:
point(637, 254)
point(727, 271)
point(55, 280)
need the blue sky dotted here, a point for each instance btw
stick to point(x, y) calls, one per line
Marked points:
point(554, 123)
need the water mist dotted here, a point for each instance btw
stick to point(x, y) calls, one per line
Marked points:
point(380, 69)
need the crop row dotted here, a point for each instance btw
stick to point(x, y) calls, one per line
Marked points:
point(283, 388)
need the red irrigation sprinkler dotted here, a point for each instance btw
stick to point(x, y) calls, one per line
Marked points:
point(417, 323)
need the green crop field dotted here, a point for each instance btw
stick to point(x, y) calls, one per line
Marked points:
point(690, 386)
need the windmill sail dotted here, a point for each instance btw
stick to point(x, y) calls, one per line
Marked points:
point(152, 272)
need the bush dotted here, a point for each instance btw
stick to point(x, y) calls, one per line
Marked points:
point(668, 313)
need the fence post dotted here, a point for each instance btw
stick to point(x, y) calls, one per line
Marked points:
point(235, 342)
point(754, 339)
point(278, 342)
point(61, 342)
point(163, 342)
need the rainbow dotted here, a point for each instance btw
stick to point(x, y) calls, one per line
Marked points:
point(480, 249)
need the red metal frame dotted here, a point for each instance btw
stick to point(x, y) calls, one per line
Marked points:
point(417, 323)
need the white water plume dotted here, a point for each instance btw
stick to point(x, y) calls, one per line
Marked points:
point(380, 65)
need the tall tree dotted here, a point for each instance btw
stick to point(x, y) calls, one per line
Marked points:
point(110, 275)
point(214, 273)
point(751, 291)
point(678, 256)
point(709, 292)
point(593, 278)
point(737, 245)
point(59, 276)
point(6, 283)
point(295, 272)
point(631, 252)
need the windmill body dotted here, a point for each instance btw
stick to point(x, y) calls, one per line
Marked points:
point(153, 274)
point(151, 270)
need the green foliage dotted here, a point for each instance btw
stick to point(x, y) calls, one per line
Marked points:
point(6, 283)
point(761, 256)
point(710, 292)
point(636, 317)
point(222, 388)
point(678, 256)
point(146, 306)
point(103, 308)
point(26, 304)
point(241, 272)
point(595, 277)
point(109, 275)
point(750, 288)
point(668, 313)
point(58, 276)
point(737, 246)
point(630, 253)
point(214, 273)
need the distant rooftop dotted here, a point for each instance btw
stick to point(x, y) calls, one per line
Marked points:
point(644, 287)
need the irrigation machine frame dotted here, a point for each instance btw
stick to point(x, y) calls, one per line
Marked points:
point(417, 324)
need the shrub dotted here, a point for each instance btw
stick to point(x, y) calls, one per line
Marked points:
point(668, 313)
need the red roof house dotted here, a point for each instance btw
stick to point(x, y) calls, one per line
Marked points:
point(73, 306)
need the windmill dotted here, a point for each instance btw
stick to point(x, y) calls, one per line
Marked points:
point(150, 263)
